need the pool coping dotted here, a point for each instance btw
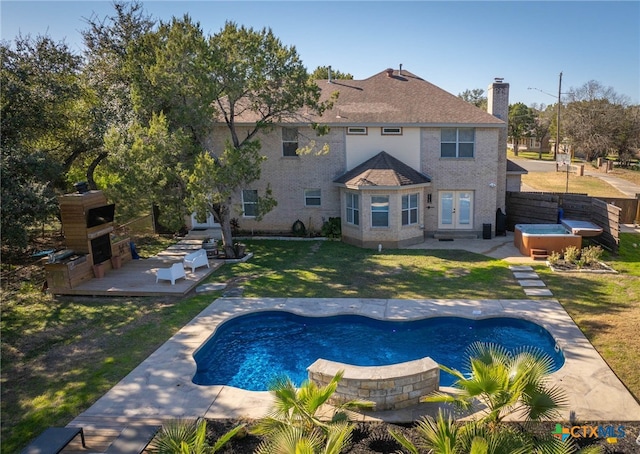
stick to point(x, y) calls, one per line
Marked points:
point(161, 386)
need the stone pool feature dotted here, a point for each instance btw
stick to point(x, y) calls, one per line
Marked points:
point(544, 237)
point(391, 387)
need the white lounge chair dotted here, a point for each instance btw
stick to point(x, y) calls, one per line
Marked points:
point(176, 271)
point(196, 259)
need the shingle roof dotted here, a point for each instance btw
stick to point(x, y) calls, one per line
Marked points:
point(513, 167)
point(402, 98)
point(382, 170)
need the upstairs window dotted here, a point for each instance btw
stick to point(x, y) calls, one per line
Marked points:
point(289, 141)
point(409, 209)
point(249, 203)
point(312, 198)
point(391, 131)
point(353, 209)
point(357, 130)
point(457, 142)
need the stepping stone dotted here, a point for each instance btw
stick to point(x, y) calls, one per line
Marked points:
point(531, 283)
point(525, 275)
point(232, 292)
point(210, 287)
point(537, 292)
point(520, 268)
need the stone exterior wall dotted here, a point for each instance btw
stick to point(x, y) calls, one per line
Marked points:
point(388, 387)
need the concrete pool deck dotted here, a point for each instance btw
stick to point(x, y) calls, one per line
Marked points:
point(161, 388)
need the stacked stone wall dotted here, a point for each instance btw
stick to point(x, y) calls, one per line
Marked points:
point(389, 387)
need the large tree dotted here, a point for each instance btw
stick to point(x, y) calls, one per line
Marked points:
point(627, 138)
point(543, 118)
point(253, 72)
point(322, 72)
point(43, 123)
point(475, 97)
point(521, 123)
point(171, 93)
point(146, 165)
point(112, 54)
point(593, 119)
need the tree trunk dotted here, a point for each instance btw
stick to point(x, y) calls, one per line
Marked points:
point(221, 213)
point(91, 170)
point(515, 146)
point(227, 239)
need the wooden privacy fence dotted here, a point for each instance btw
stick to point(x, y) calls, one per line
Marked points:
point(545, 208)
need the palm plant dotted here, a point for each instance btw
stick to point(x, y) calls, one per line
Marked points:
point(505, 384)
point(299, 407)
point(296, 440)
point(443, 435)
point(188, 437)
point(295, 420)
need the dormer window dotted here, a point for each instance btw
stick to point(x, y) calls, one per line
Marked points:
point(391, 131)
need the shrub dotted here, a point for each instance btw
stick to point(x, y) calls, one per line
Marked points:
point(591, 254)
point(571, 254)
point(332, 228)
point(554, 257)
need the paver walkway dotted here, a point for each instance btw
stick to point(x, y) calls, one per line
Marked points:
point(530, 281)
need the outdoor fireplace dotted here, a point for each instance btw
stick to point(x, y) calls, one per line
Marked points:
point(101, 249)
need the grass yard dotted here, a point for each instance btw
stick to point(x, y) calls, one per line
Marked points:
point(325, 269)
point(557, 182)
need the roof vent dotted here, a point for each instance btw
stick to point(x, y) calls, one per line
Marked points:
point(400, 70)
point(389, 72)
point(329, 73)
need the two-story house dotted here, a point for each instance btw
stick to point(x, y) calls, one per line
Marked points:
point(407, 160)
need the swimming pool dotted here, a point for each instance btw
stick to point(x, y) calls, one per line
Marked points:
point(249, 351)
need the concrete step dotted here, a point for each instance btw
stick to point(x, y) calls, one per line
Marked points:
point(539, 254)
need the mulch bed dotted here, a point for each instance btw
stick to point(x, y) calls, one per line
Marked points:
point(568, 267)
point(372, 438)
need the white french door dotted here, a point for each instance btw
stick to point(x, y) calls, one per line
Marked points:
point(456, 210)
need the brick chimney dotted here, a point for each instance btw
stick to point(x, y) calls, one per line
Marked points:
point(498, 99)
point(498, 106)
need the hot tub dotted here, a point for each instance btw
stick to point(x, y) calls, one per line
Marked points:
point(546, 237)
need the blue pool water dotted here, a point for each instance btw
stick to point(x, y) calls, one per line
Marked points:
point(249, 351)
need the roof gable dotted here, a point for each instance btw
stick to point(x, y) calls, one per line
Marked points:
point(382, 170)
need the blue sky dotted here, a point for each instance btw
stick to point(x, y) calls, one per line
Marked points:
point(456, 45)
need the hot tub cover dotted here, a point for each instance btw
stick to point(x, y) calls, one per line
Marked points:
point(582, 228)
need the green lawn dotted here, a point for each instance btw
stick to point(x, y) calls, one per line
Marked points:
point(60, 354)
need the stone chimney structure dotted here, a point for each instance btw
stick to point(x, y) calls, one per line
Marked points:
point(498, 106)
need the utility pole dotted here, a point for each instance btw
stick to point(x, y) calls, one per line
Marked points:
point(557, 145)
